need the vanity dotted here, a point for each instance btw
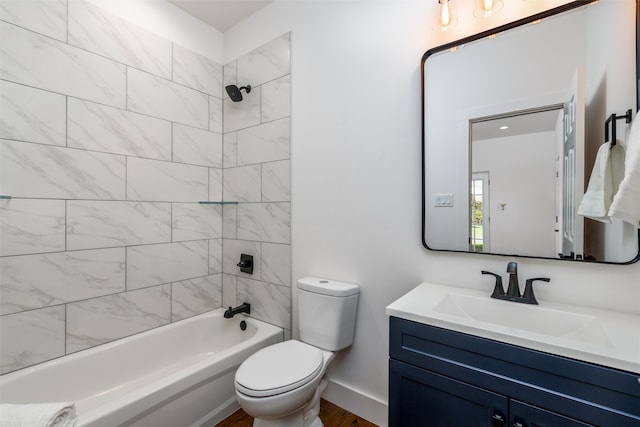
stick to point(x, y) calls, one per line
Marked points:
point(460, 358)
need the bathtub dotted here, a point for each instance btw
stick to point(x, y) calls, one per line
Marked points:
point(179, 375)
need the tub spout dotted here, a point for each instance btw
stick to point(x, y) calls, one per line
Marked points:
point(242, 308)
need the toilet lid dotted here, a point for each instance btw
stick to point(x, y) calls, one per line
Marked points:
point(278, 368)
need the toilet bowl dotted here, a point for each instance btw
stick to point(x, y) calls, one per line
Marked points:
point(281, 385)
point(281, 380)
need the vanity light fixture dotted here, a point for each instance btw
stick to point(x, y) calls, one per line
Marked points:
point(445, 17)
point(483, 9)
point(486, 8)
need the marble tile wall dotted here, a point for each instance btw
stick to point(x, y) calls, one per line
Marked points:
point(109, 138)
point(256, 161)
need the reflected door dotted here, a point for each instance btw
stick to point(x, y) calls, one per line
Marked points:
point(573, 169)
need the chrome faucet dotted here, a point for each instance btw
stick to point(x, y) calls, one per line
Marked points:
point(242, 308)
point(513, 291)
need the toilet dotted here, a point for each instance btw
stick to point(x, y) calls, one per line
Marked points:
point(281, 385)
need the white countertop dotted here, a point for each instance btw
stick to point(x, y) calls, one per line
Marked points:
point(609, 338)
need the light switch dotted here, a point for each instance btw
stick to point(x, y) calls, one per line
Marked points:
point(445, 200)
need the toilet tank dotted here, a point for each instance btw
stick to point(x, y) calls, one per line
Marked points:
point(327, 312)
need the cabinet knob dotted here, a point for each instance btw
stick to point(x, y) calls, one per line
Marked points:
point(518, 424)
point(497, 420)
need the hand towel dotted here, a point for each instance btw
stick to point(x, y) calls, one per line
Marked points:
point(38, 415)
point(626, 201)
point(607, 173)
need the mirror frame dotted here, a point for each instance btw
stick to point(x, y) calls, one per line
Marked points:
point(520, 22)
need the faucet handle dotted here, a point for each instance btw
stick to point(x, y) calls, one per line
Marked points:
point(512, 267)
point(528, 295)
point(498, 289)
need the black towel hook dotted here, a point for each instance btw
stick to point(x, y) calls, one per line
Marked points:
point(612, 120)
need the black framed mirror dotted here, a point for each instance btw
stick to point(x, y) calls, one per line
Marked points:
point(512, 119)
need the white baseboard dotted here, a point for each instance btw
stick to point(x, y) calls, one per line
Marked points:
point(355, 401)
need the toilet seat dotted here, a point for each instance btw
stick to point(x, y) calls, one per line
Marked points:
point(278, 369)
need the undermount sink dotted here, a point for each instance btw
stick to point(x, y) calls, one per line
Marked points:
point(536, 319)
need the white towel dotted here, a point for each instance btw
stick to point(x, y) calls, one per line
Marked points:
point(608, 171)
point(626, 202)
point(37, 415)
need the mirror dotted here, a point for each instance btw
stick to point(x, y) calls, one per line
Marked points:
point(512, 121)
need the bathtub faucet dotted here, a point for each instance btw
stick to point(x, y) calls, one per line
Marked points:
point(242, 308)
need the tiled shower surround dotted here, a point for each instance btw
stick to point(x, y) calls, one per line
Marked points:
point(110, 136)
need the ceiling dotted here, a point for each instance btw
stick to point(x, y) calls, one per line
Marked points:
point(221, 14)
point(517, 124)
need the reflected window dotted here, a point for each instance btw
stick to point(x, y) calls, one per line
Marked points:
point(478, 241)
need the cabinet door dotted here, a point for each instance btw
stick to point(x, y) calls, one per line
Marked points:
point(419, 398)
point(524, 415)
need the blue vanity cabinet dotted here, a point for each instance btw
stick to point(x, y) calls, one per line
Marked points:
point(443, 378)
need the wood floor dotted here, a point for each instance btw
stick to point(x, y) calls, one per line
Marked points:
point(330, 414)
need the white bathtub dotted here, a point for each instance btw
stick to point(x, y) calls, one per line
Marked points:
point(176, 376)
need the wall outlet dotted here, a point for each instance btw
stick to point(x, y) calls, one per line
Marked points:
point(440, 200)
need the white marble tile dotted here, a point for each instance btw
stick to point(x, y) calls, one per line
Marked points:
point(276, 264)
point(43, 171)
point(215, 184)
point(270, 303)
point(243, 114)
point(193, 221)
point(48, 17)
point(195, 296)
point(276, 99)
point(215, 256)
point(229, 221)
point(32, 115)
point(197, 146)
point(197, 71)
point(31, 226)
point(229, 286)
point(34, 281)
point(101, 128)
point(231, 257)
point(171, 262)
point(215, 114)
point(164, 99)
point(156, 180)
point(104, 224)
point(42, 62)
point(100, 320)
point(268, 62)
point(242, 184)
point(265, 222)
point(265, 143)
point(230, 150)
point(276, 181)
point(97, 30)
point(229, 76)
point(31, 337)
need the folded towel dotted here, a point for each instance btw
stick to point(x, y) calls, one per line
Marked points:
point(608, 171)
point(626, 201)
point(37, 415)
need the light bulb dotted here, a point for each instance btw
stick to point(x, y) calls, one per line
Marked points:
point(445, 13)
point(487, 4)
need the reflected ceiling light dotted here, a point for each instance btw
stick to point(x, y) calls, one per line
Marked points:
point(504, 127)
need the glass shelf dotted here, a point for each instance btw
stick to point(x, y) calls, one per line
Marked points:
point(220, 202)
point(4, 197)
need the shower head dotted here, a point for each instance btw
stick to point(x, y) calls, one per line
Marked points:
point(234, 92)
